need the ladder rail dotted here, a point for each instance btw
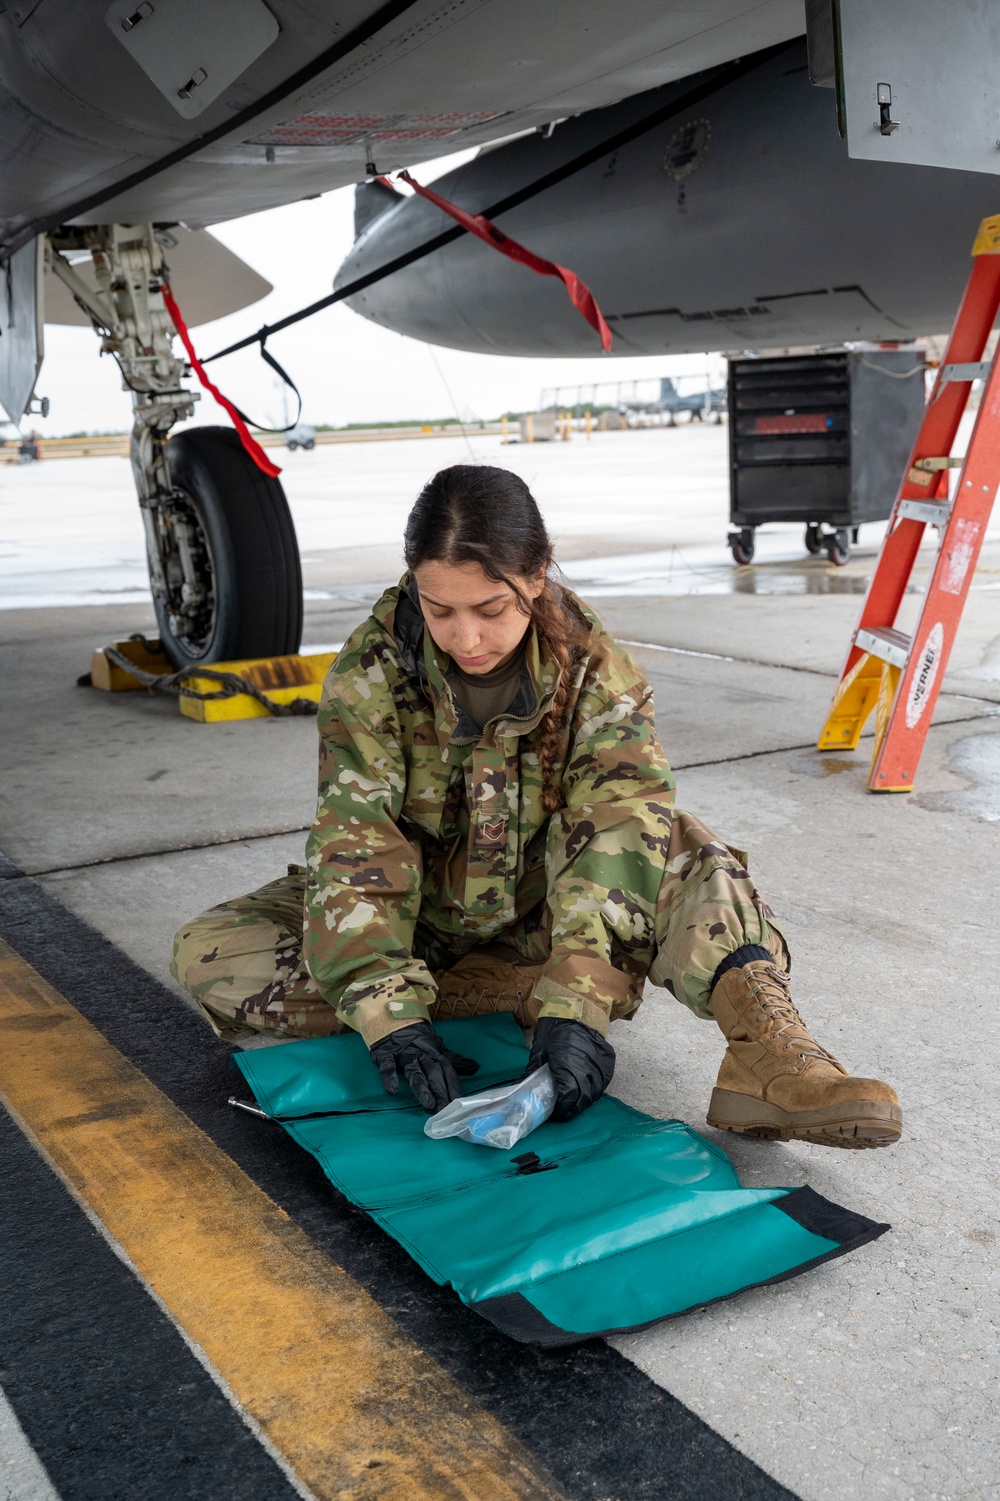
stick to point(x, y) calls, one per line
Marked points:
point(943, 414)
point(900, 676)
point(919, 686)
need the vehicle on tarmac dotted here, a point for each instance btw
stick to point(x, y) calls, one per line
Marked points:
point(738, 219)
point(301, 436)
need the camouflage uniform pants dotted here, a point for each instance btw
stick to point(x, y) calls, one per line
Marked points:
point(242, 961)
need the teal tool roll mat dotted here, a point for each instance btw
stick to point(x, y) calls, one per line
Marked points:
point(604, 1223)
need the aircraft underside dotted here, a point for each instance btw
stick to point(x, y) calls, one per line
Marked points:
point(94, 107)
point(128, 130)
point(739, 220)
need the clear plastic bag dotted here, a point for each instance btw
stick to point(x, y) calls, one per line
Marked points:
point(498, 1117)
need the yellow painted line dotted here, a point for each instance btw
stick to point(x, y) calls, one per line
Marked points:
point(352, 1404)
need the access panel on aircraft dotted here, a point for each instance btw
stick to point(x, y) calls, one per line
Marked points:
point(920, 83)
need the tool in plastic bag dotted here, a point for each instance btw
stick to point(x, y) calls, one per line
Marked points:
point(498, 1117)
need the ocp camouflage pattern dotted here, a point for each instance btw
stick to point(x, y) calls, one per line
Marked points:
point(431, 839)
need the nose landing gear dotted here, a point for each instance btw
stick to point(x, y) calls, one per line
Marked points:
point(223, 560)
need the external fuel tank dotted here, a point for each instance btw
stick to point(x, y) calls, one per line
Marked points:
point(740, 223)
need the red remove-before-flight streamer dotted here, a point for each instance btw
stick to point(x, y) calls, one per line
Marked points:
point(249, 442)
point(580, 294)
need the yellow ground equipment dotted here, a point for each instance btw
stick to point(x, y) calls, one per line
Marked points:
point(252, 689)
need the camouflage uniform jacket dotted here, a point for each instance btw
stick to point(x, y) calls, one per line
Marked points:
point(430, 836)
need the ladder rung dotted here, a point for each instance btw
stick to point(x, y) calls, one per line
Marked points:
point(885, 643)
point(976, 370)
point(934, 511)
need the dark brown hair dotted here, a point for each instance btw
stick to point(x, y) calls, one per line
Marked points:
point(475, 513)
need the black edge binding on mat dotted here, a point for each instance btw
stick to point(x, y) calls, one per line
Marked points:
point(822, 1217)
point(519, 1319)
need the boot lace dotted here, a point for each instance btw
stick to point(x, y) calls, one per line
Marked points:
point(772, 995)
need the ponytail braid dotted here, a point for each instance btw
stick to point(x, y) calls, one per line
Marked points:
point(557, 632)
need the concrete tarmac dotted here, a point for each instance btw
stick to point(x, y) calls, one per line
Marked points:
point(875, 1375)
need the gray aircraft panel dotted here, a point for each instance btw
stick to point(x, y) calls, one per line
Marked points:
point(933, 69)
point(192, 52)
point(742, 223)
point(77, 113)
point(208, 280)
point(21, 330)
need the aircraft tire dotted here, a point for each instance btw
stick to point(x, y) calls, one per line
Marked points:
point(246, 541)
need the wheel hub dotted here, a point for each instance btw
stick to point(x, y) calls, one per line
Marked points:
point(188, 599)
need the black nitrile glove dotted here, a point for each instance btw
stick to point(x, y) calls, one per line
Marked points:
point(582, 1063)
point(430, 1069)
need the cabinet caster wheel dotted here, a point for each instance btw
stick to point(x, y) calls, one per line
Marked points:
point(741, 545)
point(838, 548)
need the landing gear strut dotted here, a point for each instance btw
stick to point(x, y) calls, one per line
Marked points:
point(223, 561)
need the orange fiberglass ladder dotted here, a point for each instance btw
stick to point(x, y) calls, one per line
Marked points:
point(899, 676)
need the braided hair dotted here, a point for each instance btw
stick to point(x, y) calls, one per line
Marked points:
point(476, 513)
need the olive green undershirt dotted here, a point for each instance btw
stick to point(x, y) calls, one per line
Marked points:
point(484, 695)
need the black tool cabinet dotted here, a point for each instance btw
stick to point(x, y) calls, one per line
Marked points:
point(821, 439)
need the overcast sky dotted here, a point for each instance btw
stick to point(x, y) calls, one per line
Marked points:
point(348, 370)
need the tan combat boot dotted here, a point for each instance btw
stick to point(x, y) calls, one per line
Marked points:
point(777, 1082)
